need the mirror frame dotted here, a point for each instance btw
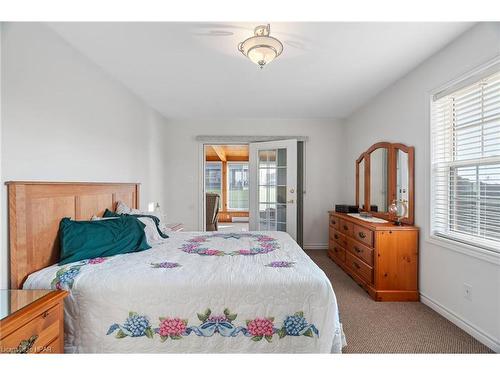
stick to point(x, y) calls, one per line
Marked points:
point(392, 150)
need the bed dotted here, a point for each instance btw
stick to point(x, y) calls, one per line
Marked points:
point(197, 292)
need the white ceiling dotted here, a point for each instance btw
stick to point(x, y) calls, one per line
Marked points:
point(194, 69)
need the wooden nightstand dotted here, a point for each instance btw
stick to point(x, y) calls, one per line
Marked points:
point(32, 321)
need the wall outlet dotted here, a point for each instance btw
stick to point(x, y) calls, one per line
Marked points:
point(468, 292)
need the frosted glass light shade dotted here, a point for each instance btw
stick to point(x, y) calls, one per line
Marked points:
point(261, 49)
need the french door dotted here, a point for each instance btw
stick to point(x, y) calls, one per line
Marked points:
point(273, 186)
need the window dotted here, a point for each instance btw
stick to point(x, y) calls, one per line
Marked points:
point(213, 179)
point(465, 159)
point(237, 183)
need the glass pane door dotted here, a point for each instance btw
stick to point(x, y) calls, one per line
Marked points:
point(274, 168)
point(272, 190)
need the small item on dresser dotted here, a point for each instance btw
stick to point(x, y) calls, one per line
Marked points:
point(346, 208)
point(341, 208)
point(365, 214)
point(374, 208)
point(353, 209)
point(398, 209)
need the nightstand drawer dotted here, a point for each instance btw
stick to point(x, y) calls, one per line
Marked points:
point(53, 347)
point(35, 335)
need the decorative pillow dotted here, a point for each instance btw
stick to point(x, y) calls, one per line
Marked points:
point(100, 238)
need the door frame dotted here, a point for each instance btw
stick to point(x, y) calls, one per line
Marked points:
point(233, 140)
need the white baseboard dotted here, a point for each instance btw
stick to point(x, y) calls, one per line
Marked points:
point(315, 246)
point(468, 327)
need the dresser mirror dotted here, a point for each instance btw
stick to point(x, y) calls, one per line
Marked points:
point(378, 179)
point(402, 180)
point(360, 181)
point(385, 175)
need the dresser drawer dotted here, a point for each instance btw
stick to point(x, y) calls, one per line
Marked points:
point(363, 252)
point(363, 235)
point(334, 222)
point(359, 267)
point(39, 332)
point(339, 238)
point(337, 252)
point(346, 227)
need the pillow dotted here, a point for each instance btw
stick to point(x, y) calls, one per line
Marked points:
point(122, 208)
point(110, 214)
point(81, 240)
point(153, 236)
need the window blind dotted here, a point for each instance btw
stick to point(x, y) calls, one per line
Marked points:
point(465, 170)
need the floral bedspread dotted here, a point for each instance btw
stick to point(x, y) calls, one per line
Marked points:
point(199, 292)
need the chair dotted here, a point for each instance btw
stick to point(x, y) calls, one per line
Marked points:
point(212, 211)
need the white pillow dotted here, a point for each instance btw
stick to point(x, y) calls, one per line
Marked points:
point(152, 236)
point(122, 208)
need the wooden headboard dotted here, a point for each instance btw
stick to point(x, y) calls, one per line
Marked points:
point(36, 208)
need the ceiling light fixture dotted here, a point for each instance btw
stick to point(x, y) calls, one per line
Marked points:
point(261, 48)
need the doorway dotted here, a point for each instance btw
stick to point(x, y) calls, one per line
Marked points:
point(227, 176)
point(258, 186)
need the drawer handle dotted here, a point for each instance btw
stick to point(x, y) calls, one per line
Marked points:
point(346, 227)
point(356, 249)
point(336, 236)
point(362, 234)
point(356, 265)
point(25, 345)
point(335, 249)
point(45, 314)
point(334, 222)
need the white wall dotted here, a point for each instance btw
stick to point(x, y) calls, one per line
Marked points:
point(401, 114)
point(65, 119)
point(324, 158)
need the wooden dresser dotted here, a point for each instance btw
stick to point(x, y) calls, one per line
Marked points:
point(381, 258)
point(32, 321)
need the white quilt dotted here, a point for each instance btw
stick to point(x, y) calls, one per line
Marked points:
point(199, 292)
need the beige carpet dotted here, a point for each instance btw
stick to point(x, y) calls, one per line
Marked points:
point(391, 327)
